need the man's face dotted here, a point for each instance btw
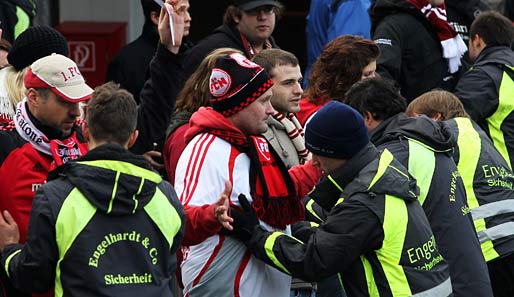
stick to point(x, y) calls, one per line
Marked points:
point(56, 112)
point(183, 8)
point(327, 165)
point(287, 89)
point(253, 119)
point(474, 47)
point(257, 24)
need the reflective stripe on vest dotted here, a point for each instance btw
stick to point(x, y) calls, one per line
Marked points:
point(23, 22)
point(470, 146)
point(395, 228)
point(8, 261)
point(498, 231)
point(421, 166)
point(309, 208)
point(505, 108)
point(268, 247)
point(443, 289)
point(75, 214)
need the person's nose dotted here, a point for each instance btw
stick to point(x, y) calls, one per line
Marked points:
point(298, 88)
point(74, 110)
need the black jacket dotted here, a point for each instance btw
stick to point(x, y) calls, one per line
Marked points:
point(106, 225)
point(158, 100)
point(410, 51)
point(478, 90)
point(357, 232)
point(128, 68)
point(424, 147)
point(223, 36)
point(489, 187)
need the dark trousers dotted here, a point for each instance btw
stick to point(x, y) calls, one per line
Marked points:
point(501, 272)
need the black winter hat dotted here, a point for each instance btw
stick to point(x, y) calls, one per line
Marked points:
point(235, 83)
point(336, 131)
point(35, 43)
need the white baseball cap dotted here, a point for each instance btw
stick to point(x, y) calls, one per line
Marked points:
point(61, 75)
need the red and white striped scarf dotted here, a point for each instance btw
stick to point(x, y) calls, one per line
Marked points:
point(453, 45)
point(295, 132)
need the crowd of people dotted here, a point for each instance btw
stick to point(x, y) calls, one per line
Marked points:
point(385, 168)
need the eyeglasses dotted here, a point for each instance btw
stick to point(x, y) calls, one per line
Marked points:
point(267, 10)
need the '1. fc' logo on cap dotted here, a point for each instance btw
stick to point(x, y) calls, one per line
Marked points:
point(220, 82)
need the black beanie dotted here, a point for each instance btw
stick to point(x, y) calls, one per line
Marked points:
point(336, 131)
point(35, 43)
point(235, 83)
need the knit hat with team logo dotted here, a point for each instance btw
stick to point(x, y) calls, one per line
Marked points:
point(235, 83)
point(61, 75)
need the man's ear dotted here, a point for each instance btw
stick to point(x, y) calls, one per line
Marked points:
point(85, 131)
point(133, 138)
point(236, 19)
point(32, 97)
point(154, 17)
point(438, 117)
point(368, 118)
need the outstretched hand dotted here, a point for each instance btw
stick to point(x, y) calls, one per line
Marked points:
point(9, 233)
point(164, 28)
point(222, 206)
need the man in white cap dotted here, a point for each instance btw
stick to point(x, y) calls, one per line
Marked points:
point(44, 133)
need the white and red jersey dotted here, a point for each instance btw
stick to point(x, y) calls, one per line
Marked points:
point(221, 265)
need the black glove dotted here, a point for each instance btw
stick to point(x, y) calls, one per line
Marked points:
point(245, 221)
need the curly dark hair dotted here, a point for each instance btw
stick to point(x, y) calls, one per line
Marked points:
point(378, 96)
point(339, 66)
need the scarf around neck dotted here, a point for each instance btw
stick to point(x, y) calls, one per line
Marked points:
point(451, 42)
point(274, 196)
point(61, 151)
point(295, 132)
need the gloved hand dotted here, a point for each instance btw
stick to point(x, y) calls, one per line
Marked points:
point(244, 221)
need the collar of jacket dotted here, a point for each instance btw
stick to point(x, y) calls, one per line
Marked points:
point(435, 135)
point(328, 190)
point(105, 152)
point(495, 54)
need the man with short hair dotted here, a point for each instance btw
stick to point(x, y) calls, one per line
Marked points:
point(424, 148)
point(247, 26)
point(486, 89)
point(223, 143)
point(105, 224)
point(45, 133)
point(285, 133)
point(374, 226)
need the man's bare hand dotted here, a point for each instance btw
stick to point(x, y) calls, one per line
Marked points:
point(222, 207)
point(9, 233)
point(165, 29)
point(150, 155)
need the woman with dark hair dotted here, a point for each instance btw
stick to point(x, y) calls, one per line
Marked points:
point(343, 62)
